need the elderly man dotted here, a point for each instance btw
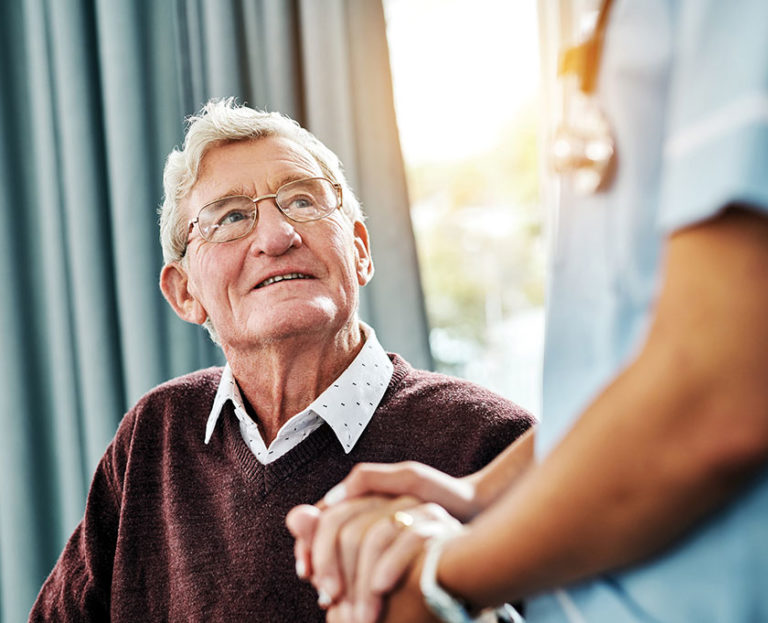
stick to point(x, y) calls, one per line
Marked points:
point(264, 244)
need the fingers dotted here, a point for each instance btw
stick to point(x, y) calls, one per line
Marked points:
point(393, 545)
point(329, 554)
point(389, 551)
point(342, 612)
point(372, 532)
point(379, 540)
point(302, 522)
point(392, 564)
point(406, 602)
point(405, 478)
point(380, 478)
point(355, 553)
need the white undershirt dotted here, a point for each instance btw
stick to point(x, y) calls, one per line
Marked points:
point(347, 405)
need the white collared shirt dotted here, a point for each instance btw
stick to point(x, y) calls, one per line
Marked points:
point(347, 405)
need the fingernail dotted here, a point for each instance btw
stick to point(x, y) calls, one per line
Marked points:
point(301, 568)
point(323, 598)
point(331, 587)
point(335, 495)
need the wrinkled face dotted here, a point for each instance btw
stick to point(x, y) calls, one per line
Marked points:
point(282, 280)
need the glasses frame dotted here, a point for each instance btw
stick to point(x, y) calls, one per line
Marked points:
point(255, 200)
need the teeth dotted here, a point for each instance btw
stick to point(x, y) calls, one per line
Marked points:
point(277, 278)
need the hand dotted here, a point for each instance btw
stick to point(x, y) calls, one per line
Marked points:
point(302, 522)
point(404, 605)
point(362, 548)
point(456, 495)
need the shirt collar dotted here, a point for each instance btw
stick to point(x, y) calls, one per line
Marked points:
point(347, 405)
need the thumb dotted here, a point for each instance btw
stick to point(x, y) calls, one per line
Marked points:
point(302, 523)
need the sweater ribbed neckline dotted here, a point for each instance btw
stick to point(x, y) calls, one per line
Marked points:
point(270, 475)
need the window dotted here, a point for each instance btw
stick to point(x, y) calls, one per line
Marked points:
point(465, 78)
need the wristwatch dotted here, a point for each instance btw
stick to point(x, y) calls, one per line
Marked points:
point(442, 604)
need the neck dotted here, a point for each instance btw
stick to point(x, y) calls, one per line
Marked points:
point(282, 378)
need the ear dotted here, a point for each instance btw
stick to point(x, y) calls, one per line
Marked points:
point(174, 283)
point(363, 259)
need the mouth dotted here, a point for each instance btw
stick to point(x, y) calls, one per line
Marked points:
point(279, 278)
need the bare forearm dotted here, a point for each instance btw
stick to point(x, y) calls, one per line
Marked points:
point(668, 442)
point(604, 499)
point(491, 482)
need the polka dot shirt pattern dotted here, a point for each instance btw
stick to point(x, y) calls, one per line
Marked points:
point(347, 405)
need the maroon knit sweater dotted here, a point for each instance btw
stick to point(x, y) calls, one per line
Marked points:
point(176, 530)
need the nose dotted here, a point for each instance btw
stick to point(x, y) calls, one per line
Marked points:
point(274, 233)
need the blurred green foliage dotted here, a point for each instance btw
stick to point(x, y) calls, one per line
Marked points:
point(478, 225)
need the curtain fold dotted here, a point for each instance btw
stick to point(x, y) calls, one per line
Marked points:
point(93, 94)
point(349, 105)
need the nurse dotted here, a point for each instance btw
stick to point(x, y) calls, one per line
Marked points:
point(644, 495)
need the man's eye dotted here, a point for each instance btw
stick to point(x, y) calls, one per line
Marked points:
point(232, 217)
point(301, 203)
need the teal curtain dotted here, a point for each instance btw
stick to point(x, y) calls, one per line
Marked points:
point(93, 94)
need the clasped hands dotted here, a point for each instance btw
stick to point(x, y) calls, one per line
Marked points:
point(364, 541)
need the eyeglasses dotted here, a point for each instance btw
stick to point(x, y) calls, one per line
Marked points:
point(233, 217)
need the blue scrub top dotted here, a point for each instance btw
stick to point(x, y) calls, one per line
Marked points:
point(684, 84)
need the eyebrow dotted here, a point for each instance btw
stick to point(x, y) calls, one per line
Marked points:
point(241, 191)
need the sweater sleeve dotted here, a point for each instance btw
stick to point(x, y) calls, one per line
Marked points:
point(448, 423)
point(499, 424)
point(78, 589)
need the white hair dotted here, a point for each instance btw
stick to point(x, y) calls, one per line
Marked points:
point(223, 121)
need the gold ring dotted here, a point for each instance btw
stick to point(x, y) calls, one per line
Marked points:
point(402, 519)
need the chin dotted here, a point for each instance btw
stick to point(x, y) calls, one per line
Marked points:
point(313, 319)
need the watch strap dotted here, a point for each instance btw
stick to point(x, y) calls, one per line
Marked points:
point(440, 602)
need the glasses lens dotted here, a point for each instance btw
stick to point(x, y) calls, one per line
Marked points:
point(227, 219)
point(308, 200)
